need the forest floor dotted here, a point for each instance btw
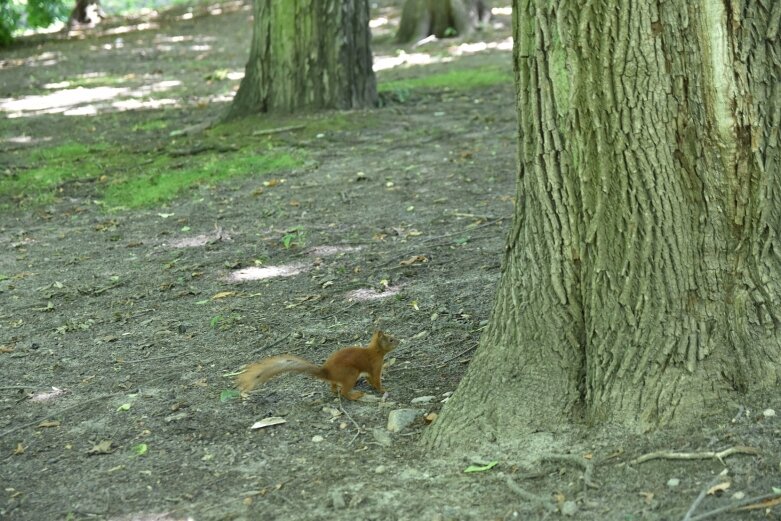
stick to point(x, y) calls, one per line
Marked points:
point(141, 268)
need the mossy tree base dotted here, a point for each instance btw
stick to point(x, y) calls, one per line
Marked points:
point(307, 54)
point(641, 284)
point(440, 18)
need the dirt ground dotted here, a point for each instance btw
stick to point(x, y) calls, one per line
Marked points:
point(121, 331)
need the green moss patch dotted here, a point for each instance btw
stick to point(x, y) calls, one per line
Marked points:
point(129, 179)
point(162, 182)
point(465, 79)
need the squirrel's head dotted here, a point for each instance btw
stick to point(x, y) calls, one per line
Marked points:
point(385, 341)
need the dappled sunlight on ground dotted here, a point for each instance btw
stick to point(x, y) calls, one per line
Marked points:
point(25, 140)
point(267, 272)
point(475, 47)
point(88, 101)
point(367, 294)
point(402, 58)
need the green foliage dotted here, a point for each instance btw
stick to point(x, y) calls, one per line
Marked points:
point(16, 14)
point(294, 237)
point(43, 13)
point(9, 20)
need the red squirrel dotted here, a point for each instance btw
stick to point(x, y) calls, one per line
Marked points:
point(343, 367)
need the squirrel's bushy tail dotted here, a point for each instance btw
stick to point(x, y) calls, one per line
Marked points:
point(265, 370)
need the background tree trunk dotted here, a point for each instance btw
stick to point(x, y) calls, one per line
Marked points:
point(441, 18)
point(642, 278)
point(308, 54)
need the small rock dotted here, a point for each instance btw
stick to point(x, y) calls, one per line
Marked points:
point(569, 508)
point(382, 437)
point(317, 438)
point(380, 469)
point(673, 482)
point(430, 417)
point(738, 495)
point(768, 413)
point(423, 399)
point(176, 417)
point(400, 418)
point(337, 499)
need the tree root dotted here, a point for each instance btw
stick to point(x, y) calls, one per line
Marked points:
point(579, 461)
point(536, 500)
point(665, 454)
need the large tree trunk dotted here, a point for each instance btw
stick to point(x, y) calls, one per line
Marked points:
point(440, 18)
point(308, 54)
point(642, 278)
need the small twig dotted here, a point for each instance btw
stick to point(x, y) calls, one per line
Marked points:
point(58, 413)
point(438, 364)
point(16, 387)
point(267, 131)
point(200, 149)
point(358, 429)
point(152, 359)
point(701, 496)
point(665, 454)
point(74, 406)
point(580, 461)
point(735, 506)
point(272, 345)
point(528, 496)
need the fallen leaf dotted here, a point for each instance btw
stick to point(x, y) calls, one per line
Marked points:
point(6, 349)
point(415, 259)
point(48, 423)
point(647, 497)
point(19, 449)
point(719, 488)
point(765, 504)
point(268, 422)
point(223, 294)
point(47, 395)
point(140, 449)
point(104, 447)
point(228, 394)
point(481, 468)
point(430, 417)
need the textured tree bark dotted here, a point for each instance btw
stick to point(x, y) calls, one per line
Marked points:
point(307, 54)
point(642, 277)
point(441, 18)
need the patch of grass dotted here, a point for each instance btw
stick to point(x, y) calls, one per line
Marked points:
point(162, 183)
point(126, 178)
point(57, 165)
point(153, 124)
point(464, 79)
point(95, 80)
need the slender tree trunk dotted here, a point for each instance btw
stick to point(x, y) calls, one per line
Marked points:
point(308, 54)
point(642, 278)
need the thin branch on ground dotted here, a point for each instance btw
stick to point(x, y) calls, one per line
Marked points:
point(580, 461)
point(704, 492)
point(272, 345)
point(59, 413)
point(74, 406)
point(538, 501)
point(16, 387)
point(358, 429)
point(267, 131)
point(665, 454)
point(153, 358)
point(735, 506)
